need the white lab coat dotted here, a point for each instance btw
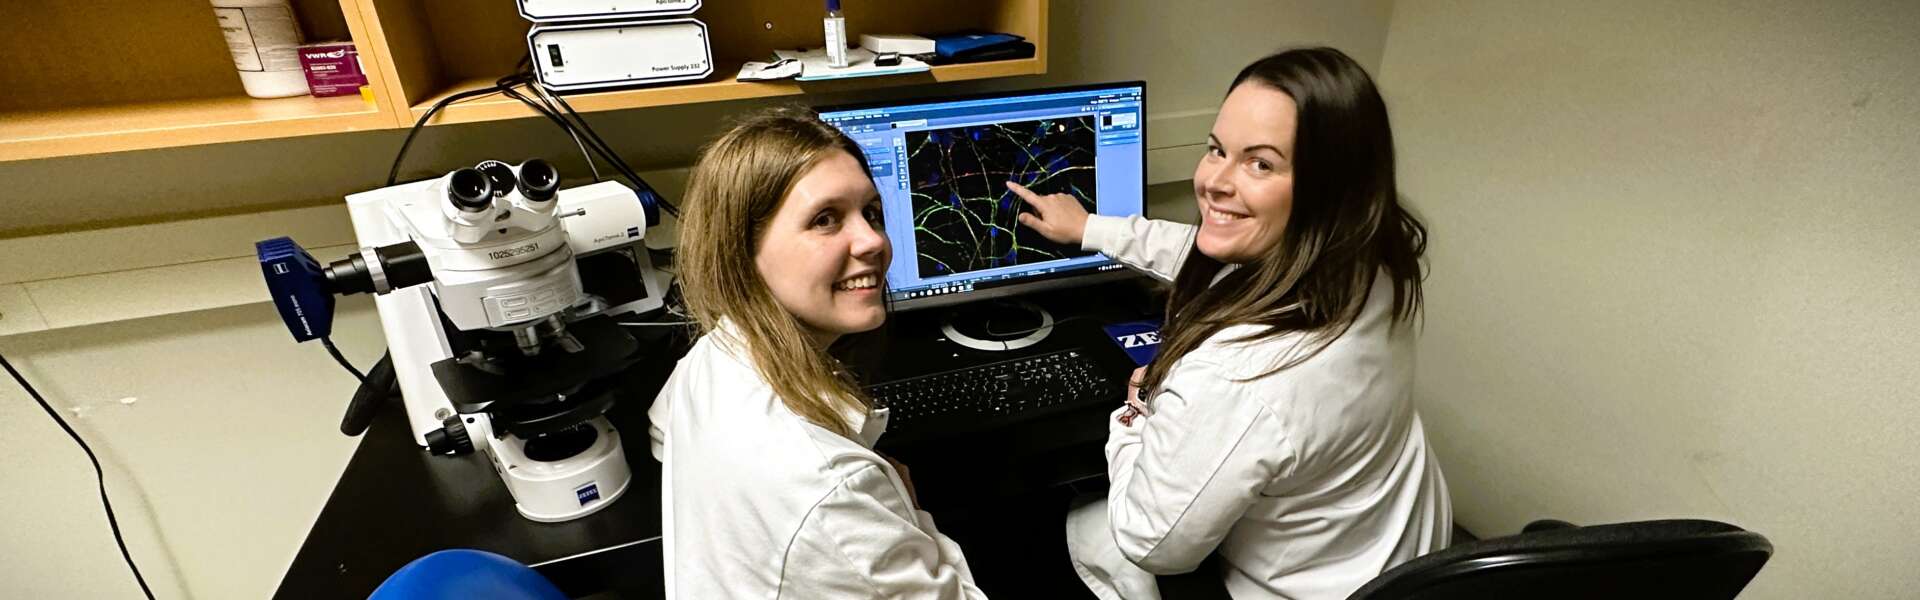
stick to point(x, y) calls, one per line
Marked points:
point(757, 502)
point(1308, 482)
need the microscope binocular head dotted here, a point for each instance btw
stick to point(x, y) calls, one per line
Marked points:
point(494, 195)
point(536, 180)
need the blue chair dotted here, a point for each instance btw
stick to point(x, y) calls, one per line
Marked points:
point(466, 575)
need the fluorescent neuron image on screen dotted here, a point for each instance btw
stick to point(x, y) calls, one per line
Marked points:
point(964, 216)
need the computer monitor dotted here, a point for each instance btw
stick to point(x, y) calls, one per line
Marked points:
point(942, 165)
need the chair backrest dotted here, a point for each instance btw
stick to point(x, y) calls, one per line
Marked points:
point(1690, 559)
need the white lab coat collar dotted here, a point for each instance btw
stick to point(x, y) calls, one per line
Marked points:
point(867, 426)
point(757, 503)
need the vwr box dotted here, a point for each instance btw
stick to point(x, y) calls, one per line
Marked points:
point(542, 11)
point(588, 56)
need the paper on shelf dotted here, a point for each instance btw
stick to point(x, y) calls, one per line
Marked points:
point(813, 64)
point(762, 71)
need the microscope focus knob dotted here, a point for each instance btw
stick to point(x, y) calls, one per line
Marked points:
point(451, 438)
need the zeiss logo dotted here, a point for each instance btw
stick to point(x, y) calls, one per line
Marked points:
point(1137, 340)
point(587, 493)
point(633, 232)
point(512, 252)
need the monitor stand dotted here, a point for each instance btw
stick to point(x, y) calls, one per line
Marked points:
point(997, 325)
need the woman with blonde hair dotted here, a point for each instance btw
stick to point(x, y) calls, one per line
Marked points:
point(770, 487)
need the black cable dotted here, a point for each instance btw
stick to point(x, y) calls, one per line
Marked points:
point(621, 165)
point(552, 113)
point(505, 85)
point(393, 175)
point(342, 359)
point(546, 100)
point(574, 127)
point(523, 75)
point(98, 475)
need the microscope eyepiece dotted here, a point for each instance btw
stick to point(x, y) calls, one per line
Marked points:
point(539, 181)
point(469, 190)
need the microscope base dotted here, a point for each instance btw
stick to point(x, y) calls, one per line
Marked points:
point(568, 488)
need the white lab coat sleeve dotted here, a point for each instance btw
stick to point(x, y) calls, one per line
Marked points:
point(1183, 476)
point(1157, 248)
point(1121, 435)
point(890, 544)
point(657, 417)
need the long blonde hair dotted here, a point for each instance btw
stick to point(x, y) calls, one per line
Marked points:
point(732, 194)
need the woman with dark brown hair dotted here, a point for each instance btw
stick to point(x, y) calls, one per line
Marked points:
point(1276, 427)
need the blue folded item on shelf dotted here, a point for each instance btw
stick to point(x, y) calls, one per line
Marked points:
point(961, 45)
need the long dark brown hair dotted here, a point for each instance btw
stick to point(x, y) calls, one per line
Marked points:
point(1347, 225)
point(734, 191)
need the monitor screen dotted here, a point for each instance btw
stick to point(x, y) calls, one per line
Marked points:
point(942, 165)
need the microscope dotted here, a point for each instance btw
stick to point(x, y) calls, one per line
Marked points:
point(498, 293)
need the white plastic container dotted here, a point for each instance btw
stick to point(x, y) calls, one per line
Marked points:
point(836, 36)
point(265, 41)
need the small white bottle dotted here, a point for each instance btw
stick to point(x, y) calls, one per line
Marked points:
point(836, 36)
point(264, 39)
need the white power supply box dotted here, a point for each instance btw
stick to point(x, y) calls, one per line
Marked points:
point(589, 56)
point(544, 11)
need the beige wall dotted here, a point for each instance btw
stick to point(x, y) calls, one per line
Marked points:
point(217, 467)
point(229, 450)
point(1676, 252)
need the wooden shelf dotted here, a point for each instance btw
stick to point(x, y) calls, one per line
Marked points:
point(166, 123)
point(493, 108)
point(159, 74)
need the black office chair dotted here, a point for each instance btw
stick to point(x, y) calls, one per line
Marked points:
point(1680, 559)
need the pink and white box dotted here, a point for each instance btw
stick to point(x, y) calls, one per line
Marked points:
point(332, 68)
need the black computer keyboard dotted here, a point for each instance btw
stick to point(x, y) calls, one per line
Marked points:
point(976, 396)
